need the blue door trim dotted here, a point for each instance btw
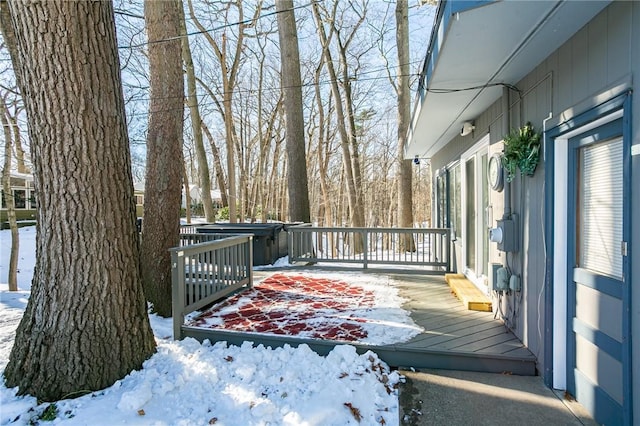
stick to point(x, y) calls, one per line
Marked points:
point(627, 360)
point(621, 101)
point(606, 343)
point(608, 410)
point(606, 285)
point(593, 114)
point(549, 230)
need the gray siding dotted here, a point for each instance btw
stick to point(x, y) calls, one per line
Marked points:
point(601, 54)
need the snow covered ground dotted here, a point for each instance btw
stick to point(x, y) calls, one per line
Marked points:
point(188, 383)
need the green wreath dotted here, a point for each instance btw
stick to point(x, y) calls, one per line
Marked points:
point(521, 150)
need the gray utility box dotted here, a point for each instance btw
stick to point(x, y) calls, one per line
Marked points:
point(269, 239)
point(509, 235)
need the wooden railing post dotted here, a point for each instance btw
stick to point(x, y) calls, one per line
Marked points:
point(249, 260)
point(447, 248)
point(178, 290)
point(365, 247)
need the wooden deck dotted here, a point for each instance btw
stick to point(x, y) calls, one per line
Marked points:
point(454, 338)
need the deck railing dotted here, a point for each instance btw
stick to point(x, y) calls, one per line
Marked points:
point(205, 268)
point(404, 247)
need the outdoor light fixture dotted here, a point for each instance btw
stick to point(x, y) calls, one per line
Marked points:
point(467, 128)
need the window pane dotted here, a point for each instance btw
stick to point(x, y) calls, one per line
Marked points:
point(455, 198)
point(484, 235)
point(600, 203)
point(20, 198)
point(470, 217)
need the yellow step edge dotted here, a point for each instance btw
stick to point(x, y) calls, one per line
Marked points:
point(448, 277)
point(470, 296)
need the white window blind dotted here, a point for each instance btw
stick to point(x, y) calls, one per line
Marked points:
point(601, 204)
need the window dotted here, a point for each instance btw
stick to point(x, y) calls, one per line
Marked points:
point(442, 219)
point(140, 200)
point(20, 198)
point(455, 201)
point(600, 207)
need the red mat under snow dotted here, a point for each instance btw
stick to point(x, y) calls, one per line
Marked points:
point(294, 305)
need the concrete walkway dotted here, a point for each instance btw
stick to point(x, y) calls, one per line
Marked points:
point(444, 397)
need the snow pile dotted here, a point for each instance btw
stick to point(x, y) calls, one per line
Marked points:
point(188, 383)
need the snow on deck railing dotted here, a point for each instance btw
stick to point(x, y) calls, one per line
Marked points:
point(206, 268)
point(422, 247)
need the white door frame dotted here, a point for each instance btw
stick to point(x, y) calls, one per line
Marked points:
point(475, 153)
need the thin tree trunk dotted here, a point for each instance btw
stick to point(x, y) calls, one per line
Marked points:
point(21, 166)
point(196, 121)
point(346, 153)
point(86, 324)
point(217, 164)
point(10, 202)
point(187, 193)
point(356, 214)
point(163, 182)
point(229, 74)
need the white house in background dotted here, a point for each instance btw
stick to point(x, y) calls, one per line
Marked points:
point(196, 196)
point(24, 196)
point(570, 68)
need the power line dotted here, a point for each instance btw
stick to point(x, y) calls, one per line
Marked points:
point(231, 24)
point(312, 84)
point(249, 91)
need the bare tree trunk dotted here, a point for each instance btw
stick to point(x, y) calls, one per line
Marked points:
point(196, 121)
point(21, 166)
point(346, 153)
point(405, 171)
point(187, 193)
point(291, 83)
point(356, 214)
point(217, 164)
point(229, 75)
point(10, 202)
point(163, 182)
point(9, 36)
point(86, 322)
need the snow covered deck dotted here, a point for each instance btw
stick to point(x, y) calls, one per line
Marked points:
point(446, 336)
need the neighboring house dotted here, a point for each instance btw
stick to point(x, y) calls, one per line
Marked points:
point(138, 192)
point(24, 196)
point(570, 69)
point(195, 192)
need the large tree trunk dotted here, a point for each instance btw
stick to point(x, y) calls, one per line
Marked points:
point(405, 171)
point(86, 322)
point(163, 182)
point(9, 201)
point(292, 87)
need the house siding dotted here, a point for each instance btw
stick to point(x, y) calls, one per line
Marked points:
point(599, 55)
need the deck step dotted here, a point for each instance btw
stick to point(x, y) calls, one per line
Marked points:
point(470, 295)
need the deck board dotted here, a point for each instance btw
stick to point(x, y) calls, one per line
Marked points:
point(453, 337)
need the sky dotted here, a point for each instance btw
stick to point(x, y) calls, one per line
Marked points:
point(192, 383)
